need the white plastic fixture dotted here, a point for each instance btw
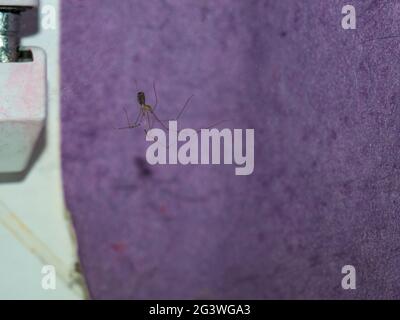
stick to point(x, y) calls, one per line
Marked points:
point(22, 96)
point(19, 3)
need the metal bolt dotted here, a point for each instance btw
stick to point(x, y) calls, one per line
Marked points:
point(10, 21)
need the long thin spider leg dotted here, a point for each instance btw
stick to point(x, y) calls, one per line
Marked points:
point(148, 121)
point(184, 107)
point(127, 120)
point(151, 119)
point(134, 125)
point(213, 125)
point(158, 120)
point(130, 127)
point(127, 117)
point(138, 117)
point(155, 94)
point(180, 112)
point(197, 130)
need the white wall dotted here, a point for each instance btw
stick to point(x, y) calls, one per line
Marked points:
point(34, 225)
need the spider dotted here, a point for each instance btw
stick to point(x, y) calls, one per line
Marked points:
point(147, 112)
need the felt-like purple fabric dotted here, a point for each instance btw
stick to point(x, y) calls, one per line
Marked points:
point(324, 105)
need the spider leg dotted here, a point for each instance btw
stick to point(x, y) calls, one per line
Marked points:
point(155, 95)
point(146, 116)
point(134, 125)
point(127, 117)
point(180, 112)
point(213, 125)
point(151, 120)
point(149, 124)
point(138, 117)
point(158, 120)
point(184, 107)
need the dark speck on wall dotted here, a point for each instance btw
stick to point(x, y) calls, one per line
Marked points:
point(143, 167)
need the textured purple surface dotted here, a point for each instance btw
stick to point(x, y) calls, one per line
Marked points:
point(323, 101)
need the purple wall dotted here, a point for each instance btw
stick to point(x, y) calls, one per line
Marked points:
point(323, 102)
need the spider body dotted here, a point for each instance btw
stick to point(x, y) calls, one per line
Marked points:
point(141, 98)
point(147, 113)
point(147, 108)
